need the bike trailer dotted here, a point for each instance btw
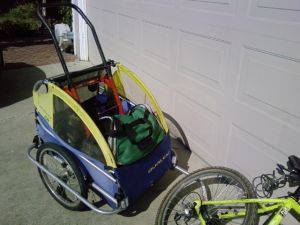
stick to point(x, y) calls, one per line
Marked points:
point(75, 117)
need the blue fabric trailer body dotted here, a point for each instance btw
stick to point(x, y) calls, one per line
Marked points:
point(90, 167)
point(135, 179)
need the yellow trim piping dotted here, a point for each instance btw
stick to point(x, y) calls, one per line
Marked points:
point(55, 90)
point(131, 75)
point(43, 101)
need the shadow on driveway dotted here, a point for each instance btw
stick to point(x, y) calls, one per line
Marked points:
point(16, 85)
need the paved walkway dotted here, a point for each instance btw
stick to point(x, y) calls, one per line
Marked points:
point(16, 57)
point(23, 197)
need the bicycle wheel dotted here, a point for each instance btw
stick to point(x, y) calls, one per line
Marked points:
point(215, 183)
point(62, 164)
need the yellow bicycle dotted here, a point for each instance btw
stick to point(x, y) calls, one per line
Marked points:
point(219, 196)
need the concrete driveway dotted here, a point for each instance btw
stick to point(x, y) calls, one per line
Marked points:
point(23, 198)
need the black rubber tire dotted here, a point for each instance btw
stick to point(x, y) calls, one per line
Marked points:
point(68, 158)
point(185, 188)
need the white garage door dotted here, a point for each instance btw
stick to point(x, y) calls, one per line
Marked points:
point(228, 71)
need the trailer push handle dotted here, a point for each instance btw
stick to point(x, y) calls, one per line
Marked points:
point(59, 53)
point(107, 65)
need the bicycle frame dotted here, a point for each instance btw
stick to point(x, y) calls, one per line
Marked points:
point(280, 206)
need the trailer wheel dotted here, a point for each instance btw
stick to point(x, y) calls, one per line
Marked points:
point(61, 163)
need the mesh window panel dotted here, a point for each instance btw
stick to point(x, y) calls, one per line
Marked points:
point(69, 127)
point(134, 93)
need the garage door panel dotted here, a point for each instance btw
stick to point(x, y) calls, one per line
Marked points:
point(109, 54)
point(223, 6)
point(282, 10)
point(199, 93)
point(197, 120)
point(106, 32)
point(246, 151)
point(156, 41)
point(201, 149)
point(161, 2)
point(269, 82)
point(280, 4)
point(288, 50)
point(157, 70)
point(129, 63)
point(129, 39)
point(164, 93)
point(228, 71)
point(107, 44)
point(204, 58)
point(128, 42)
point(130, 57)
point(265, 127)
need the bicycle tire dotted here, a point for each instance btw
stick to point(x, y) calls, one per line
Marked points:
point(67, 170)
point(176, 206)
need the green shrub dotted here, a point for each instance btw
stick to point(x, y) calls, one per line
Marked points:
point(66, 15)
point(19, 20)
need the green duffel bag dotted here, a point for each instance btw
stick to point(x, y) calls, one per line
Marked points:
point(136, 135)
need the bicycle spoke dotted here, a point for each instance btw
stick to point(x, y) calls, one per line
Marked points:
point(210, 186)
